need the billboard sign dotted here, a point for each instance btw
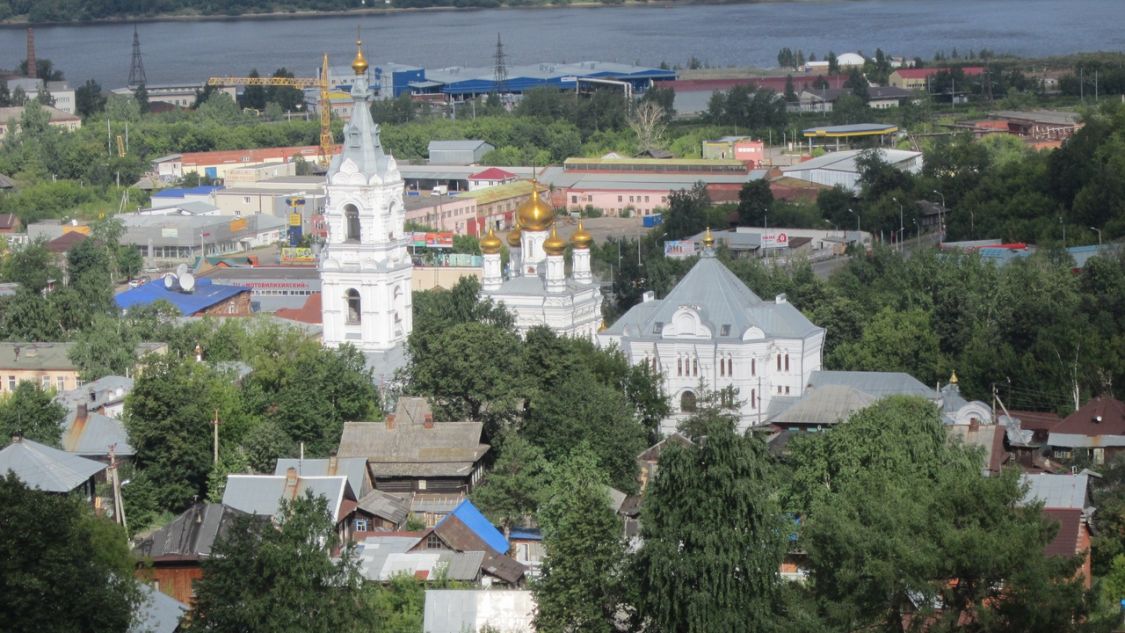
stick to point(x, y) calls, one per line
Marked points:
point(680, 249)
point(298, 255)
point(421, 239)
point(775, 240)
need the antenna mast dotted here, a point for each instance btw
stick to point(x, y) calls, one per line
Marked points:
point(500, 74)
point(137, 68)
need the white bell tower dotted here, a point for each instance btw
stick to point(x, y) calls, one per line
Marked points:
point(365, 268)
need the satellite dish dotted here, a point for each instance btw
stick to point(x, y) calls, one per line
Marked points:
point(170, 282)
point(187, 282)
point(181, 270)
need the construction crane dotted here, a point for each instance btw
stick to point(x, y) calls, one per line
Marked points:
point(120, 146)
point(326, 145)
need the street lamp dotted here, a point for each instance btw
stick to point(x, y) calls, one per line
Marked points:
point(901, 226)
point(1099, 232)
point(941, 215)
point(856, 220)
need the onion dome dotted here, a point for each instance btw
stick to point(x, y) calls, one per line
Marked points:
point(554, 245)
point(514, 236)
point(708, 239)
point(953, 378)
point(359, 64)
point(535, 214)
point(581, 238)
point(490, 244)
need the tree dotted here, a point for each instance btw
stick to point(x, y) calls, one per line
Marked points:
point(687, 212)
point(81, 561)
point(755, 200)
point(253, 96)
point(88, 98)
point(33, 413)
point(31, 266)
point(580, 588)
point(833, 64)
point(44, 69)
point(857, 84)
point(266, 578)
point(693, 574)
point(647, 120)
point(140, 95)
point(790, 90)
point(512, 490)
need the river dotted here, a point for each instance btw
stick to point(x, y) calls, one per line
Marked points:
point(719, 35)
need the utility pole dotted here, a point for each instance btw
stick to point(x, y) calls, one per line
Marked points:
point(901, 226)
point(500, 72)
point(215, 438)
point(137, 67)
point(115, 481)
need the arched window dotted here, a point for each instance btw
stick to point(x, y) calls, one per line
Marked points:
point(351, 218)
point(787, 362)
point(695, 367)
point(679, 366)
point(753, 366)
point(730, 366)
point(687, 402)
point(354, 308)
point(779, 362)
point(754, 398)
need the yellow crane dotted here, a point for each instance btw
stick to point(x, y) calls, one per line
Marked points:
point(326, 144)
point(120, 146)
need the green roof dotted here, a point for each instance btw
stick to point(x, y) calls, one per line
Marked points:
point(488, 195)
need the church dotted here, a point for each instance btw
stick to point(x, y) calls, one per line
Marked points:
point(365, 267)
point(539, 291)
point(712, 332)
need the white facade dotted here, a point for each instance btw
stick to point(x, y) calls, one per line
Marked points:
point(712, 332)
point(365, 269)
point(540, 293)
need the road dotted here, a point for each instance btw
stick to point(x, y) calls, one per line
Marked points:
point(824, 269)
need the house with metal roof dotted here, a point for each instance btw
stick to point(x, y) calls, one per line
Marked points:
point(203, 298)
point(465, 529)
point(1066, 501)
point(157, 612)
point(94, 435)
point(49, 469)
point(459, 610)
point(712, 330)
point(354, 468)
point(468, 152)
point(410, 453)
point(1098, 427)
point(263, 495)
point(842, 168)
point(177, 550)
point(106, 395)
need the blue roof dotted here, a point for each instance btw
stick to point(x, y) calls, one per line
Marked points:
point(525, 534)
point(180, 192)
point(205, 295)
point(471, 518)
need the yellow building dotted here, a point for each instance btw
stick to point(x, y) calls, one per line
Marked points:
point(48, 364)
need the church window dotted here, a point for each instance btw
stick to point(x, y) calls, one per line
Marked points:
point(730, 366)
point(787, 362)
point(354, 310)
point(695, 367)
point(687, 402)
point(753, 367)
point(754, 398)
point(722, 367)
point(724, 330)
point(679, 366)
point(351, 217)
point(779, 362)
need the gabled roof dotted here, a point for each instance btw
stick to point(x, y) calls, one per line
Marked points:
point(309, 312)
point(471, 518)
point(825, 405)
point(65, 242)
point(404, 446)
point(873, 383)
point(93, 434)
point(353, 468)
point(460, 145)
point(157, 612)
point(1100, 416)
point(1057, 491)
point(385, 506)
point(1065, 542)
point(191, 535)
point(6, 183)
point(94, 394)
point(652, 453)
point(492, 173)
point(46, 468)
point(262, 494)
point(721, 299)
point(205, 295)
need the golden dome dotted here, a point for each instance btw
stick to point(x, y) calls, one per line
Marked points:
point(554, 245)
point(359, 64)
point(953, 378)
point(535, 214)
point(581, 237)
point(708, 239)
point(514, 236)
point(490, 244)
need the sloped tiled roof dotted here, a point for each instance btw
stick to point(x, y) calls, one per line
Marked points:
point(46, 468)
point(1099, 416)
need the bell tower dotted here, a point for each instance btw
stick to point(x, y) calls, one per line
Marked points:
point(365, 269)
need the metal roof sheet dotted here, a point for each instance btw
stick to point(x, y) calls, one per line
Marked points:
point(157, 612)
point(825, 405)
point(875, 383)
point(262, 494)
point(472, 518)
point(354, 468)
point(1057, 491)
point(205, 295)
point(46, 468)
point(94, 435)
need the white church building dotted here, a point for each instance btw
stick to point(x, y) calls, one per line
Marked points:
point(713, 332)
point(365, 268)
point(539, 291)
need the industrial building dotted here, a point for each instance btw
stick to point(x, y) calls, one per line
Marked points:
point(467, 152)
point(173, 239)
point(841, 168)
point(458, 82)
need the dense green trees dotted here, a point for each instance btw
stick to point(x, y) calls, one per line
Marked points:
point(61, 568)
point(262, 577)
point(32, 413)
point(711, 516)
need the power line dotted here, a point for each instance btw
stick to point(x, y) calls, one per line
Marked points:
point(137, 68)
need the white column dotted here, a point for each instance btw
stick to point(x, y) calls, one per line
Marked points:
point(581, 263)
point(492, 276)
point(515, 260)
point(556, 273)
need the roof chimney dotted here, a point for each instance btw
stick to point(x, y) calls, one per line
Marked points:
point(290, 483)
point(648, 295)
point(80, 416)
point(390, 421)
point(781, 298)
point(333, 464)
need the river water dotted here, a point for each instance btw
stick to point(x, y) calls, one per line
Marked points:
point(719, 35)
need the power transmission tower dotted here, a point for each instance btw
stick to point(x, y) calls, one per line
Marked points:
point(137, 69)
point(500, 75)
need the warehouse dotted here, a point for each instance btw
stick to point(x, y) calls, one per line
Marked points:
point(172, 239)
point(466, 83)
point(841, 168)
